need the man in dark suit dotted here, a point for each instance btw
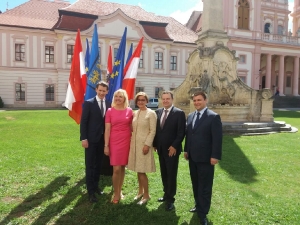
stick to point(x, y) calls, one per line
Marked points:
point(203, 149)
point(170, 130)
point(92, 137)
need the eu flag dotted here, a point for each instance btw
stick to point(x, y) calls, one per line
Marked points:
point(116, 78)
point(94, 72)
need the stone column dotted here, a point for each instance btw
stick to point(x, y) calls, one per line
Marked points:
point(256, 67)
point(296, 76)
point(213, 15)
point(268, 72)
point(281, 75)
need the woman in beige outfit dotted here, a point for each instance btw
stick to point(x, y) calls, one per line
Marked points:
point(141, 157)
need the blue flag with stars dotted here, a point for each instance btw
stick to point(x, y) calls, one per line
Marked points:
point(116, 78)
point(94, 72)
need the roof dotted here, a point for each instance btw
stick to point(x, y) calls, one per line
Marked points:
point(175, 30)
point(48, 14)
point(195, 22)
point(40, 14)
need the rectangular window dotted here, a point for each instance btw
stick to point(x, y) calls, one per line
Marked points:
point(141, 62)
point(157, 90)
point(242, 59)
point(173, 61)
point(115, 53)
point(20, 92)
point(49, 54)
point(158, 60)
point(288, 81)
point(19, 52)
point(70, 51)
point(49, 92)
point(243, 78)
point(139, 89)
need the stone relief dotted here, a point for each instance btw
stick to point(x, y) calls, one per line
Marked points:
point(213, 70)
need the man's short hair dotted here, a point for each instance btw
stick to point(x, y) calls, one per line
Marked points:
point(102, 83)
point(167, 92)
point(203, 94)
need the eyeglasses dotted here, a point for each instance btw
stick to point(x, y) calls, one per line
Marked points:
point(141, 100)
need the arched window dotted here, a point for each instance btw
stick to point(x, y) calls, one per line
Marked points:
point(243, 15)
point(280, 30)
point(267, 28)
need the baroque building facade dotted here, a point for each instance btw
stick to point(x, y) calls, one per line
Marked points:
point(37, 41)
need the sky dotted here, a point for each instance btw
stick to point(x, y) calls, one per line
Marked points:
point(178, 9)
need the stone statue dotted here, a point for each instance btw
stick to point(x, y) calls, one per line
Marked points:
point(204, 82)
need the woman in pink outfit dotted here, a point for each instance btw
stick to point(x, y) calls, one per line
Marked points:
point(117, 139)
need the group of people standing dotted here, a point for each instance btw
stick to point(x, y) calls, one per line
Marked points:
point(131, 138)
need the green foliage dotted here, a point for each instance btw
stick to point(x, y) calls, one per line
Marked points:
point(1, 103)
point(42, 178)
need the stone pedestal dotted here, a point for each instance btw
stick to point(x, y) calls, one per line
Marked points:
point(266, 111)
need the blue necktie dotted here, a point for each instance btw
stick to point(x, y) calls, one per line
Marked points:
point(197, 120)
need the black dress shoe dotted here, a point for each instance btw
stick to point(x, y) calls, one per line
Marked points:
point(99, 191)
point(204, 221)
point(161, 199)
point(170, 206)
point(192, 210)
point(93, 198)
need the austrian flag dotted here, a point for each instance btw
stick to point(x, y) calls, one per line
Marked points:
point(77, 82)
point(130, 71)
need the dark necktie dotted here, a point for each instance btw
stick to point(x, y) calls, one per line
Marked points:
point(164, 119)
point(101, 108)
point(197, 120)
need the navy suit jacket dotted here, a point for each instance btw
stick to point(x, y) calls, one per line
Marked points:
point(92, 124)
point(172, 133)
point(204, 141)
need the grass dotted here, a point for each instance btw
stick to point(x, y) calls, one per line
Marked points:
point(42, 178)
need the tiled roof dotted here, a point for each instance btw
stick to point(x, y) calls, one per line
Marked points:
point(44, 14)
point(177, 31)
point(195, 21)
point(69, 22)
point(174, 29)
point(34, 13)
point(156, 30)
point(100, 8)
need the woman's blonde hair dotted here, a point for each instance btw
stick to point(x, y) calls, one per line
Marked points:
point(124, 94)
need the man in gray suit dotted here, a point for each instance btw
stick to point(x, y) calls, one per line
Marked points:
point(203, 149)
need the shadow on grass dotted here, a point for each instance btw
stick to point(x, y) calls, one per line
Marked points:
point(287, 114)
point(35, 200)
point(195, 220)
point(235, 162)
point(104, 212)
point(53, 209)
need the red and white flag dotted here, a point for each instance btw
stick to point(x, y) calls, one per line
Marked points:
point(130, 71)
point(77, 79)
point(109, 62)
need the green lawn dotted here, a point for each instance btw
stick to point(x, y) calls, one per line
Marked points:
point(42, 178)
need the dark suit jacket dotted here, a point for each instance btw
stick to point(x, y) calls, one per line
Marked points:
point(172, 133)
point(92, 124)
point(204, 141)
